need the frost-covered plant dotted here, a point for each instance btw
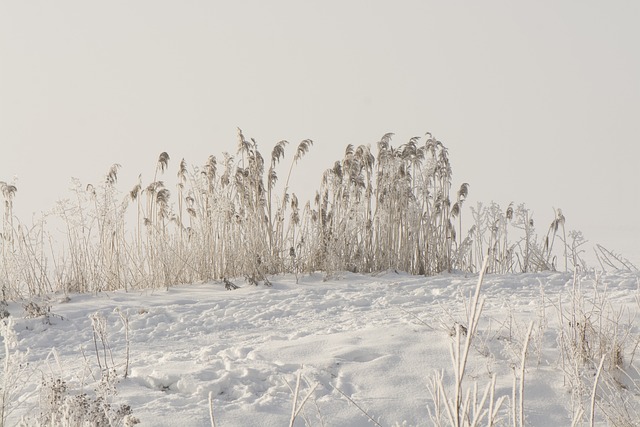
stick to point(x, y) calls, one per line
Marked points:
point(34, 310)
point(15, 371)
point(462, 406)
point(392, 211)
point(61, 407)
point(23, 265)
point(298, 400)
point(95, 256)
point(67, 403)
point(509, 239)
point(596, 345)
point(613, 261)
point(104, 355)
point(574, 246)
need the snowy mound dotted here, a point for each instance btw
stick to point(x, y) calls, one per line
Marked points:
point(375, 342)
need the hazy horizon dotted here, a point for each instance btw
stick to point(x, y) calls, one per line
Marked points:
point(537, 103)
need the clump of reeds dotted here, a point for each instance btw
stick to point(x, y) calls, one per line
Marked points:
point(375, 209)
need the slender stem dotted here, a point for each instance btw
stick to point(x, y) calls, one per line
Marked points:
point(593, 393)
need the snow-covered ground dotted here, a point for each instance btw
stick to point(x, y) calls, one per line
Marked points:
point(377, 339)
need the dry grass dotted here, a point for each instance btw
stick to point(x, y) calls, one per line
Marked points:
point(392, 208)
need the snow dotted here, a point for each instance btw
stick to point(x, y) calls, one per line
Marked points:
point(378, 339)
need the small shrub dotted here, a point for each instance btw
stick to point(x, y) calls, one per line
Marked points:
point(60, 407)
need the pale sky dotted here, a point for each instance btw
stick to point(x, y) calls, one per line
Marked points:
point(537, 102)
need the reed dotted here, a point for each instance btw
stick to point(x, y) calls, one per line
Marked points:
point(392, 207)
